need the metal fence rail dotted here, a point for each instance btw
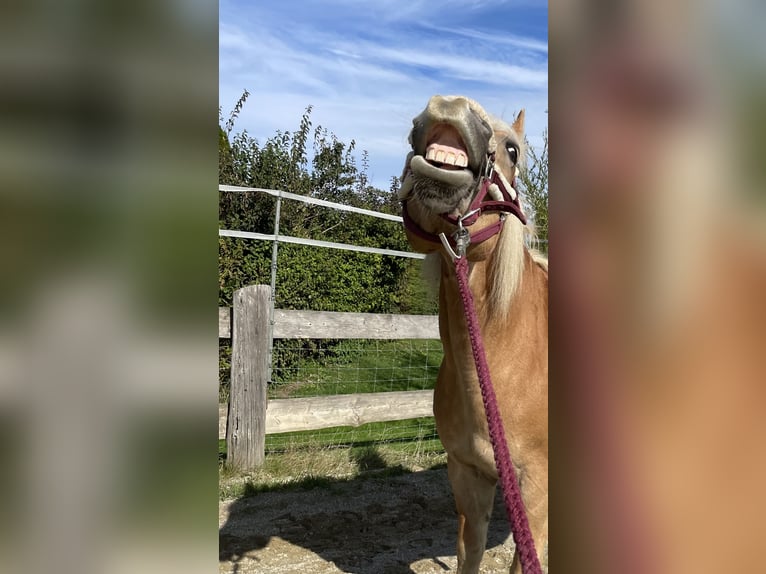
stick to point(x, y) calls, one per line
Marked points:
point(311, 200)
point(318, 243)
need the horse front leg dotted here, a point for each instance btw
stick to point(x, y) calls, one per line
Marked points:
point(534, 491)
point(474, 496)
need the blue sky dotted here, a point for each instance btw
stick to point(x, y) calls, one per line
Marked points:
point(369, 67)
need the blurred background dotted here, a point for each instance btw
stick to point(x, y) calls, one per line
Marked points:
point(108, 203)
point(657, 218)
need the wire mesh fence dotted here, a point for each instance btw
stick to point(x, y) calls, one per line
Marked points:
point(335, 276)
point(316, 367)
point(320, 367)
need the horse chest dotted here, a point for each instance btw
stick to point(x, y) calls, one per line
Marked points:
point(461, 421)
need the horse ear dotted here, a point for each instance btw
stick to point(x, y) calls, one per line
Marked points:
point(518, 123)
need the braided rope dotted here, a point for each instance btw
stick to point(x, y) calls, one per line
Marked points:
point(514, 505)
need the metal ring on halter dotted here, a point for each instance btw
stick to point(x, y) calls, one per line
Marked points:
point(462, 238)
point(448, 247)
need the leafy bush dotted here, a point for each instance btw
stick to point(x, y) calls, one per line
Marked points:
point(316, 164)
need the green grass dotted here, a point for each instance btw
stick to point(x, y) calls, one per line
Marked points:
point(407, 435)
point(355, 366)
point(311, 458)
point(310, 467)
point(305, 368)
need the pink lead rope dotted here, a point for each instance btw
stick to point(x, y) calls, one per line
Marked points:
point(514, 505)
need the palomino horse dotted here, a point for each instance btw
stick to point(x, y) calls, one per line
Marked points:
point(453, 140)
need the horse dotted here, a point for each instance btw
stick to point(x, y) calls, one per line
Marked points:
point(455, 143)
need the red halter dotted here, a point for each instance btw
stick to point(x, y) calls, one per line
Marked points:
point(478, 206)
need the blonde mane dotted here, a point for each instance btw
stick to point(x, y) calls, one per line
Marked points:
point(507, 265)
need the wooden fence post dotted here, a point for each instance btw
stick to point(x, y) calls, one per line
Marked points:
point(246, 426)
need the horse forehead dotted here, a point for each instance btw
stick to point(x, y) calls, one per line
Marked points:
point(502, 128)
point(505, 133)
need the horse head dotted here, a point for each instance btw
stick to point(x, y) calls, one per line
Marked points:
point(462, 158)
point(453, 140)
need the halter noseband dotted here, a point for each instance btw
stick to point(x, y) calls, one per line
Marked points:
point(463, 237)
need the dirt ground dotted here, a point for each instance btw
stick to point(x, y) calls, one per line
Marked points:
point(387, 525)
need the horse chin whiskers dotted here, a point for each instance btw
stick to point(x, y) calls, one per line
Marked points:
point(439, 197)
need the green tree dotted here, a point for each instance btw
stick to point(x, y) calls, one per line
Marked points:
point(534, 179)
point(314, 162)
point(308, 277)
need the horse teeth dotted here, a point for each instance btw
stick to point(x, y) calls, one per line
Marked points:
point(446, 155)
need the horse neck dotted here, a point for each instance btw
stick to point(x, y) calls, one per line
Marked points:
point(491, 320)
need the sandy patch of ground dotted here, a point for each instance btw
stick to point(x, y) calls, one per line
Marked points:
point(388, 525)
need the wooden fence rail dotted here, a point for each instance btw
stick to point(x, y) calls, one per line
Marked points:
point(249, 416)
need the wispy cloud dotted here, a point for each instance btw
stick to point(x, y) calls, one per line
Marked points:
point(369, 68)
point(497, 39)
point(460, 67)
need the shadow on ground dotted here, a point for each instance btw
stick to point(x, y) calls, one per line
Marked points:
point(400, 524)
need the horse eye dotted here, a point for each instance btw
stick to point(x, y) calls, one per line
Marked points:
point(512, 151)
